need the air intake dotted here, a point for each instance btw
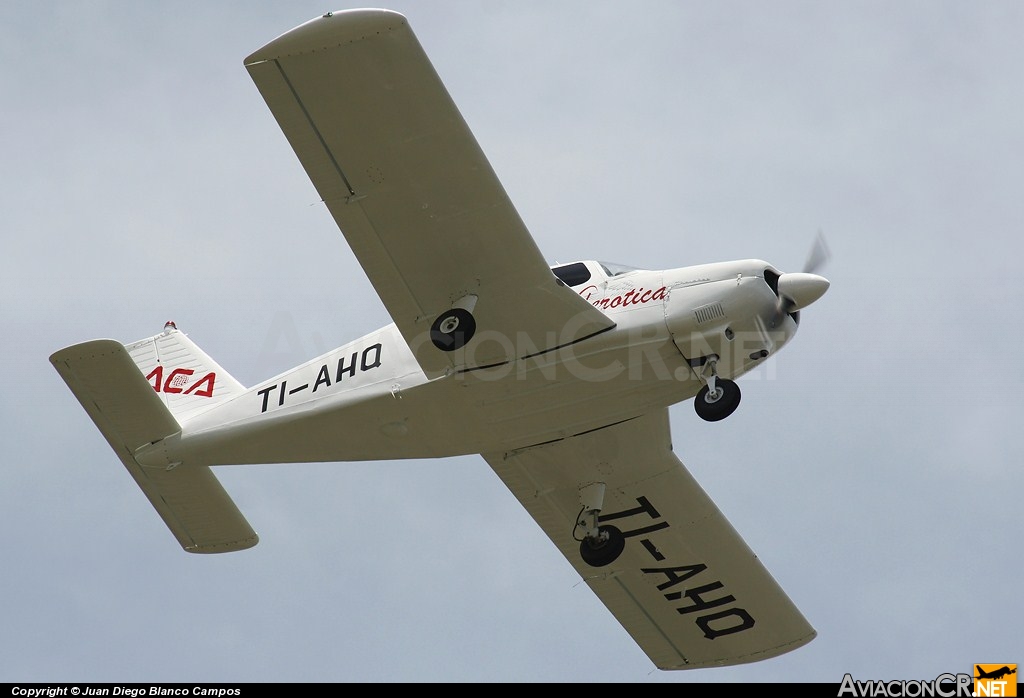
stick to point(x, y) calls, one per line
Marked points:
point(707, 313)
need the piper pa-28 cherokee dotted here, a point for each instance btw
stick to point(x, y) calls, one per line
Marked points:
point(560, 377)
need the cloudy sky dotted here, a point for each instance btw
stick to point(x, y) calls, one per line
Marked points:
point(874, 465)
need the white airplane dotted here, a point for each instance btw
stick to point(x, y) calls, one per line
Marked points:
point(560, 377)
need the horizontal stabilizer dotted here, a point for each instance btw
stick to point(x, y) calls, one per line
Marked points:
point(130, 415)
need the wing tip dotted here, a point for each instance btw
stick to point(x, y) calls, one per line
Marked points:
point(90, 348)
point(224, 547)
point(328, 30)
point(745, 658)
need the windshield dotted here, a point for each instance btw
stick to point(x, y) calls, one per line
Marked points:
point(614, 269)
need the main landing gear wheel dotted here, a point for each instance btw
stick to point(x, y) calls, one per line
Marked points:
point(451, 330)
point(604, 548)
point(719, 404)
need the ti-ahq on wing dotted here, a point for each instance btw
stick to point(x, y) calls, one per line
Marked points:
point(686, 586)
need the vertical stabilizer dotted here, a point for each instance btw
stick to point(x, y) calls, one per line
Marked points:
point(187, 380)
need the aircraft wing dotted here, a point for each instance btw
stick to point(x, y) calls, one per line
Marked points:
point(415, 197)
point(686, 587)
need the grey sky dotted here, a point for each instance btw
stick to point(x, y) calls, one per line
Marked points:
point(874, 465)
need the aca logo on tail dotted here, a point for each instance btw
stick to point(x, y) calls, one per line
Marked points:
point(994, 680)
point(178, 379)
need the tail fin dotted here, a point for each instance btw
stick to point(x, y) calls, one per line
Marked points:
point(132, 415)
point(187, 380)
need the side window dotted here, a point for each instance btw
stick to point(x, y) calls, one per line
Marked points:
point(573, 274)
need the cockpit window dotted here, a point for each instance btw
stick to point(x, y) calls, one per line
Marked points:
point(573, 274)
point(613, 269)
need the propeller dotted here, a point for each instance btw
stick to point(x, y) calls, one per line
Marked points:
point(797, 290)
point(818, 256)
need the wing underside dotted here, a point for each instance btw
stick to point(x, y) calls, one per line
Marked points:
point(686, 587)
point(415, 197)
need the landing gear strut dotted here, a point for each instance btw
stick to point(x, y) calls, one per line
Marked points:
point(601, 545)
point(719, 397)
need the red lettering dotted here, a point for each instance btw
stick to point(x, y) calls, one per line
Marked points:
point(177, 379)
point(156, 377)
point(637, 296)
point(209, 379)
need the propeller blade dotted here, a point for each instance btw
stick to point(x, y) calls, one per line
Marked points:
point(818, 256)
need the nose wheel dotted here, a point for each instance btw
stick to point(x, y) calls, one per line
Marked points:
point(718, 398)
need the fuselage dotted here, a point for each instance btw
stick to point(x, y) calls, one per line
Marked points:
point(369, 400)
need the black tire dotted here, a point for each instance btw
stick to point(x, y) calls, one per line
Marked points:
point(453, 329)
point(712, 410)
point(600, 553)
